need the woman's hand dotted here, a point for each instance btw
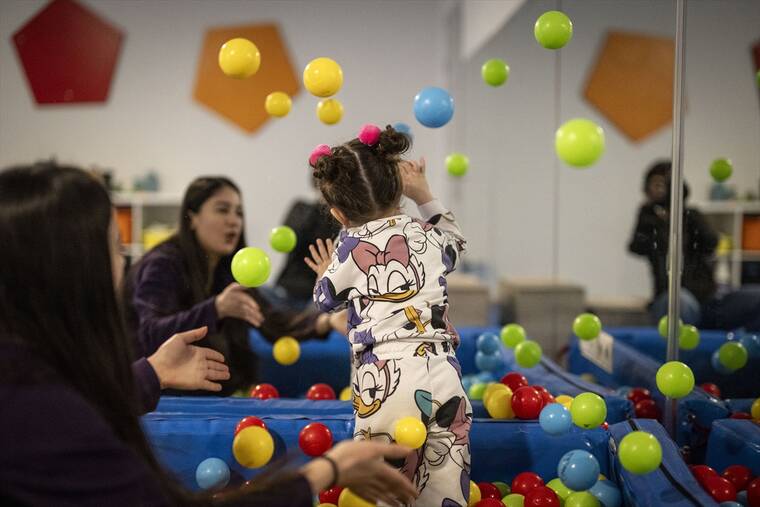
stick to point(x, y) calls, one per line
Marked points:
point(235, 302)
point(362, 469)
point(180, 365)
point(321, 256)
point(337, 321)
point(415, 182)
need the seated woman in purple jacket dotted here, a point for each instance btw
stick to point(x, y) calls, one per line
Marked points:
point(69, 427)
point(186, 282)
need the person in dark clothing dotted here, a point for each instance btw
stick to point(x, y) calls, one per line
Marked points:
point(701, 303)
point(186, 282)
point(69, 430)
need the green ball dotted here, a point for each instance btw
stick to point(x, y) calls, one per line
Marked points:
point(640, 452)
point(588, 410)
point(553, 29)
point(528, 353)
point(662, 326)
point(579, 142)
point(732, 355)
point(587, 326)
point(689, 338)
point(675, 379)
point(512, 334)
point(495, 72)
point(581, 499)
point(513, 500)
point(562, 491)
point(283, 239)
point(477, 391)
point(251, 267)
point(721, 169)
point(457, 164)
point(503, 487)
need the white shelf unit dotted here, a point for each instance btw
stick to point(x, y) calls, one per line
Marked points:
point(727, 217)
point(147, 208)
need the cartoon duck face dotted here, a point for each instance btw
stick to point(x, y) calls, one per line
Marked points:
point(376, 382)
point(393, 274)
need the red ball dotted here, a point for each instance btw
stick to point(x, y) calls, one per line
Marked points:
point(264, 392)
point(488, 490)
point(315, 439)
point(710, 388)
point(320, 392)
point(330, 495)
point(753, 493)
point(514, 380)
point(702, 473)
point(249, 421)
point(741, 415)
point(739, 475)
point(490, 502)
point(720, 489)
point(546, 396)
point(527, 403)
point(541, 497)
point(526, 482)
point(638, 393)
point(647, 409)
point(605, 425)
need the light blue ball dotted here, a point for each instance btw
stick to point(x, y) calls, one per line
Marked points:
point(751, 342)
point(623, 391)
point(488, 343)
point(484, 377)
point(729, 503)
point(212, 473)
point(433, 107)
point(555, 419)
point(607, 493)
point(488, 362)
point(741, 497)
point(403, 128)
point(718, 366)
point(578, 470)
point(467, 382)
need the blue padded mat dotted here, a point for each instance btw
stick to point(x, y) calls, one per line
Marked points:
point(734, 442)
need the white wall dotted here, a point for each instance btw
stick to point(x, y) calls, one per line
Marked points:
point(388, 51)
point(509, 197)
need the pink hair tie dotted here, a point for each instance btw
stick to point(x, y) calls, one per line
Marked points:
point(369, 134)
point(322, 150)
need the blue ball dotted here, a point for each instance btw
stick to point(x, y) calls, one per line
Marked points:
point(433, 107)
point(607, 493)
point(578, 470)
point(623, 391)
point(488, 362)
point(484, 377)
point(403, 128)
point(555, 419)
point(488, 343)
point(729, 503)
point(212, 473)
point(751, 342)
point(741, 497)
point(718, 366)
point(467, 382)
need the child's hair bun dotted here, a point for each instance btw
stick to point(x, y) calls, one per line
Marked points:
point(392, 143)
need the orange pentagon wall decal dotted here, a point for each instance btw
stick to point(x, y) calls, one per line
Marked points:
point(632, 82)
point(241, 101)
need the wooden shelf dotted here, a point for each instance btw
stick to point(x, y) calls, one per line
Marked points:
point(122, 199)
point(144, 210)
point(727, 207)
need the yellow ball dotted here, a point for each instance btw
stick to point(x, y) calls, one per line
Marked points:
point(491, 388)
point(286, 350)
point(239, 58)
point(474, 495)
point(564, 400)
point(410, 432)
point(277, 104)
point(327, 505)
point(755, 410)
point(499, 404)
point(348, 498)
point(329, 111)
point(346, 394)
point(323, 77)
point(253, 447)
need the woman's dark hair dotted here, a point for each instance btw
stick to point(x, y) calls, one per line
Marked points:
point(663, 168)
point(363, 181)
point(57, 297)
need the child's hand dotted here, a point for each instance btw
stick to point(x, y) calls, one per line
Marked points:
point(321, 256)
point(415, 183)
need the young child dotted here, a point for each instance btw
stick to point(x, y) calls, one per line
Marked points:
point(390, 271)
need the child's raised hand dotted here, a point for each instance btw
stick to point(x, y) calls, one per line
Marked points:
point(416, 186)
point(321, 256)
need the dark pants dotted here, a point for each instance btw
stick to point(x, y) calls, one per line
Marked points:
point(734, 310)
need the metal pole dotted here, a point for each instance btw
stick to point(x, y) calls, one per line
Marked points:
point(675, 243)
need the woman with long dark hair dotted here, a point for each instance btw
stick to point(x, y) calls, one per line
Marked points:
point(69, 426)
point(186, 282)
